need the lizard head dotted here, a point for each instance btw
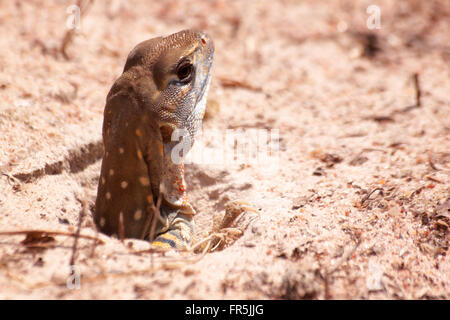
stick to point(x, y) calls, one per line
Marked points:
point(173, 76)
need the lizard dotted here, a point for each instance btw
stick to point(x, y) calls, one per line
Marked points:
point(141, 190)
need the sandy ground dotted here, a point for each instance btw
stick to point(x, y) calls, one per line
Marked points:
point(353, 205)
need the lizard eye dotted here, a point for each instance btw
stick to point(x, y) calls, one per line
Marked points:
point(184, 71)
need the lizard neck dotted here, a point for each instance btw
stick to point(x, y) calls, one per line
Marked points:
point(131, 168)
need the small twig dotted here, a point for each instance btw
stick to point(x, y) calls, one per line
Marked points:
point(50, 233)
point(68, 36)
point(431, 163)
point(326, 284)
point(323, 274)
point(418, 104)
point(150, 250)
point(367, 196)
point(415, 192)
point(10, 179)
point(77, 234)
point(418, 91)
point(344, 257)
point(157, 215)
point(198, 244)
point(434, 179)
point(94, 245)
point(232, 83)
point(380, 118)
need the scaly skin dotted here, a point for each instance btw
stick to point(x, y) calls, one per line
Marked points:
point(163, 87)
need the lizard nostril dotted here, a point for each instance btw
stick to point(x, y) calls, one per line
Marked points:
point(203, 40)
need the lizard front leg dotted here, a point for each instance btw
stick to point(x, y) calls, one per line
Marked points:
point(176, 208)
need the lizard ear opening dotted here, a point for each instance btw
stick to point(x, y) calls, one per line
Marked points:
point(166, 133)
